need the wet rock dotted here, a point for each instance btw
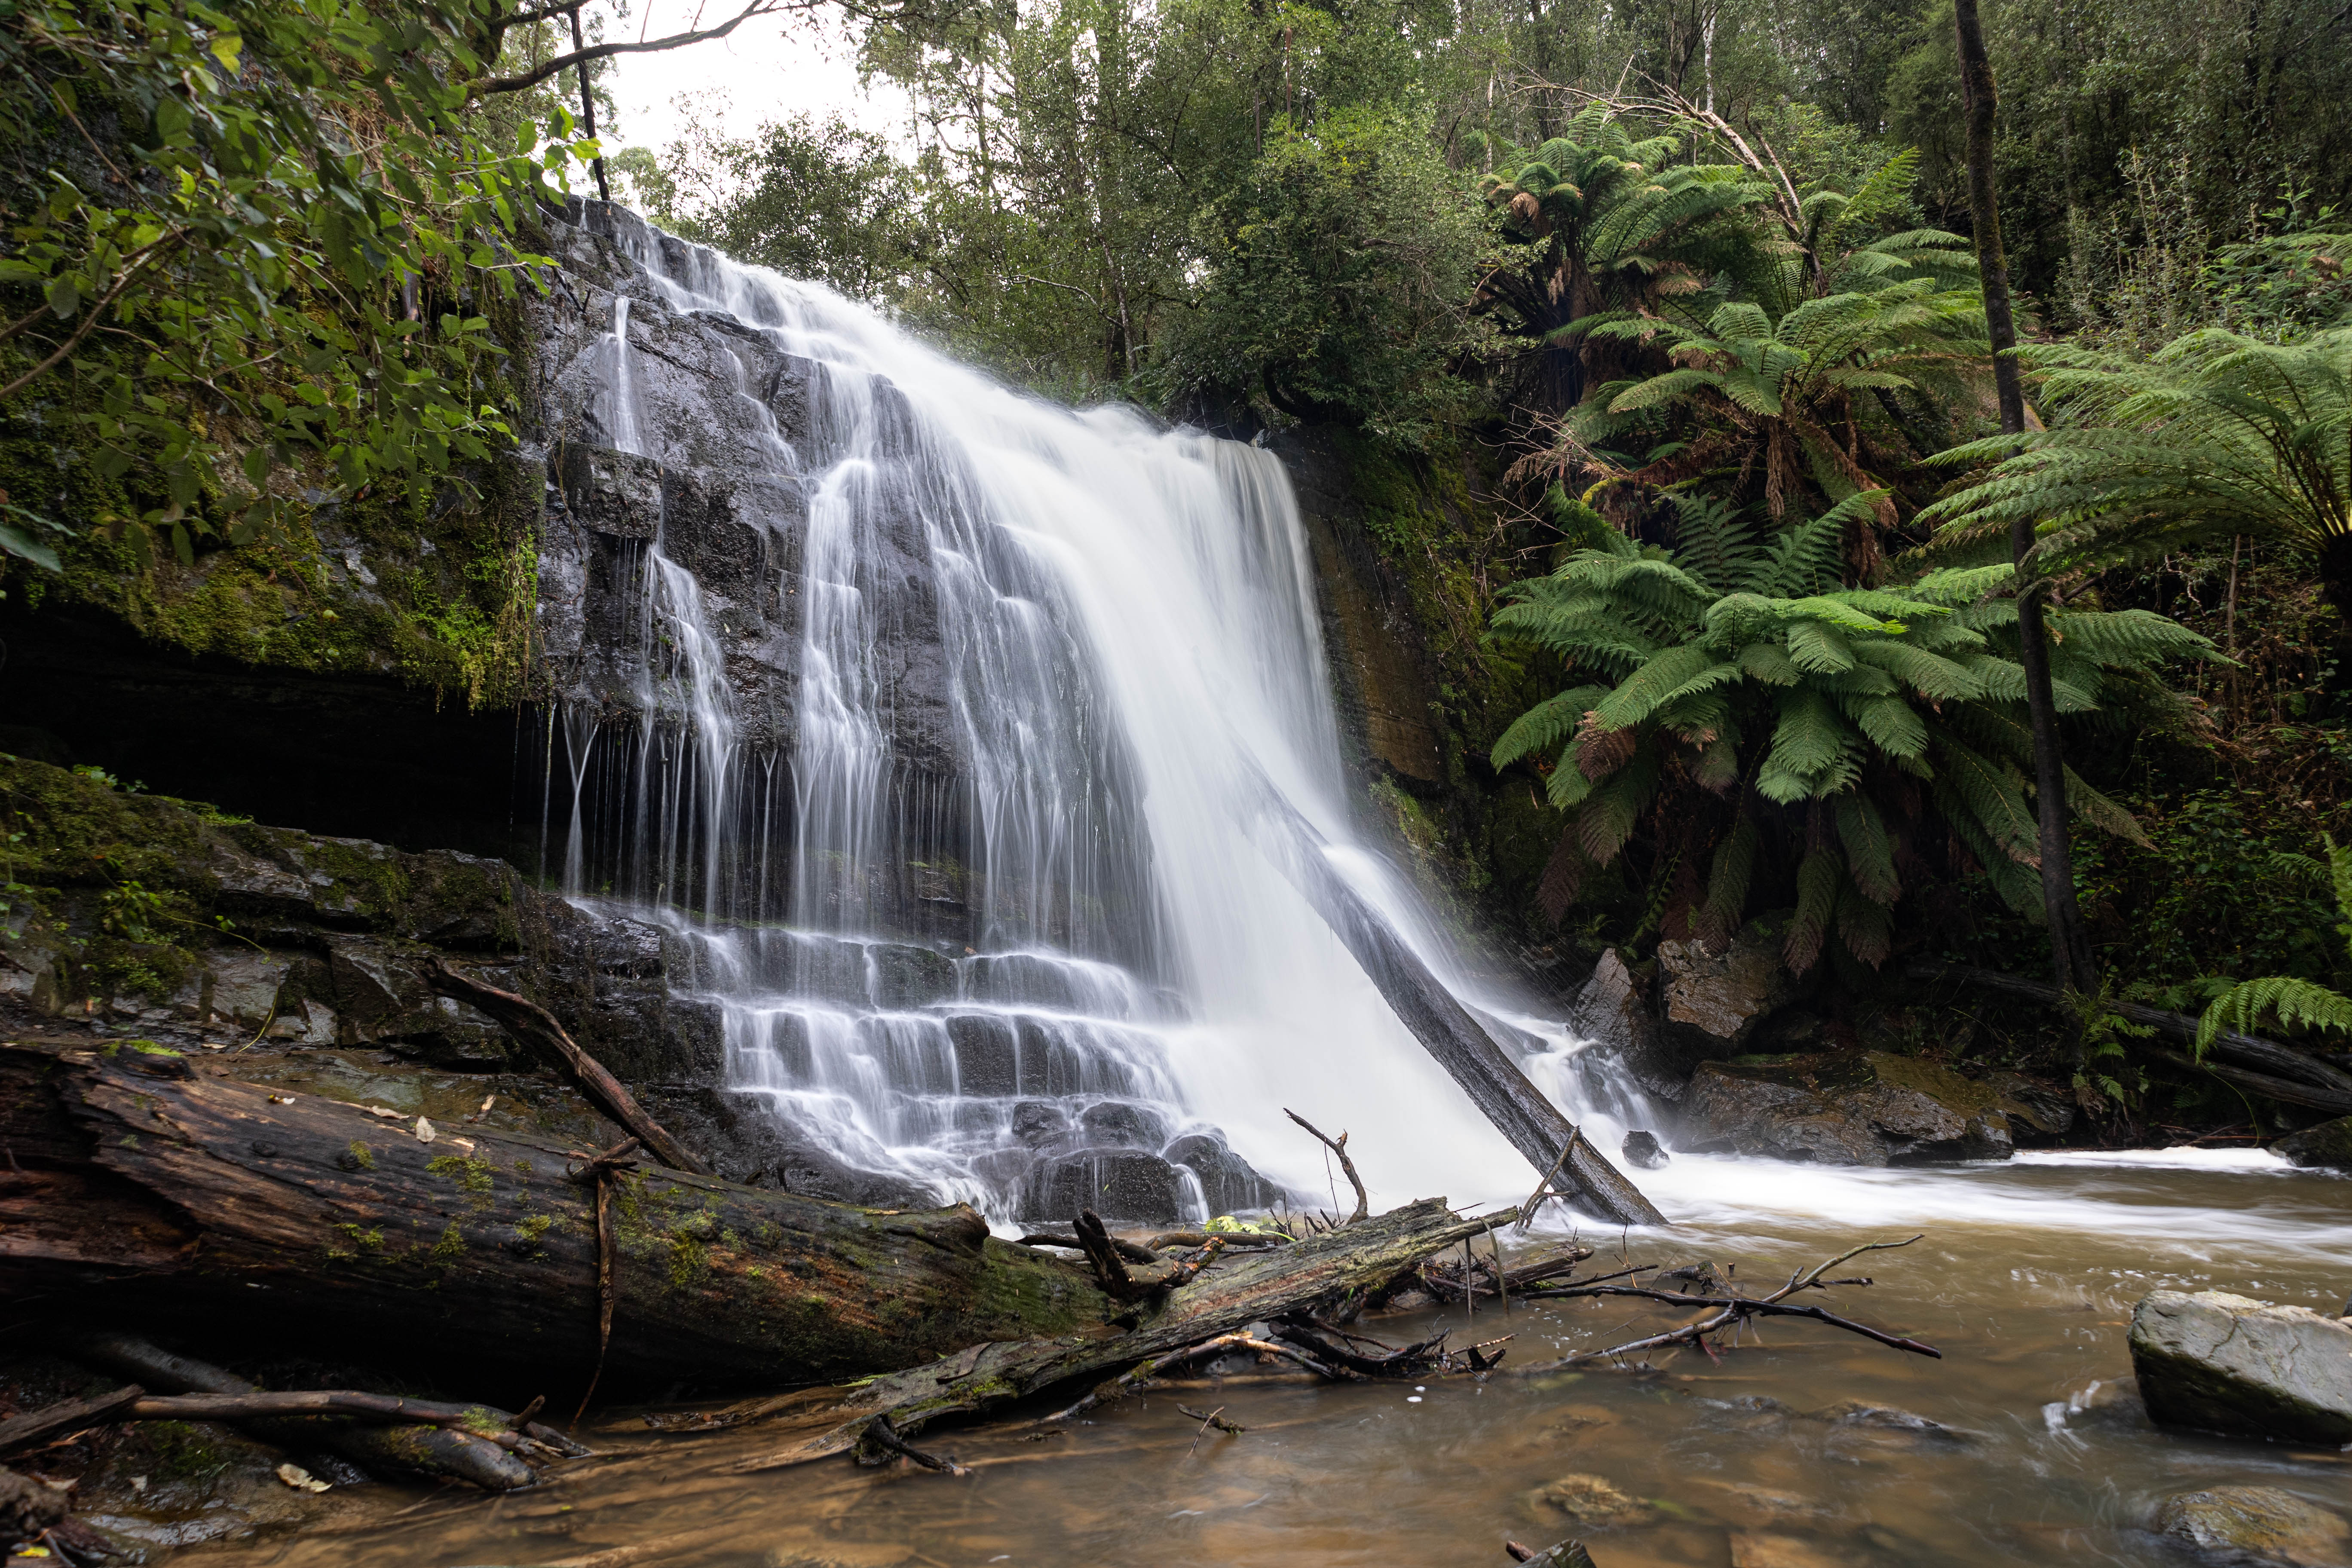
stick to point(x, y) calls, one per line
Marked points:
point(1566, 1554)
point(1711, 1000)
point(2226, 1364)
point(1229, 1184)
point(1611, 1010)
point(1859, 1415)
point(2257, 1527)
point(1642, 1149)
point(1124, 1185)
point(2326, 1147)
point(1847, 1108)
point(1588, 1499)
point(1122, 1124)
point(904, 976)
point(1040, 1123)
point(616, 493)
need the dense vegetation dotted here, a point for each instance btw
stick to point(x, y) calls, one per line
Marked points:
point(1651, 336)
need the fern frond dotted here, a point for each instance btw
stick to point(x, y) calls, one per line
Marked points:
point(1820, 878)
point(1548, 724)
point(2296, 1003)
point(1869, 849)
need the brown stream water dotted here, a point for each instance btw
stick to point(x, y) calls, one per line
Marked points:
point(2025, 1280)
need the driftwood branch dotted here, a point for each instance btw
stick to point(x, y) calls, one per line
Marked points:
point(1339, 1146)
point(1728, 1310)
point(534, 1025)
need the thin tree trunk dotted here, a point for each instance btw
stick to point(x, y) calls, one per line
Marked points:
point(2070, 948)
point(588, 103)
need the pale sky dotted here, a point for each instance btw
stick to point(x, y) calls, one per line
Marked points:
point(767, 69)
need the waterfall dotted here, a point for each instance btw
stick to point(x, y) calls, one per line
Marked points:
point(926, 719)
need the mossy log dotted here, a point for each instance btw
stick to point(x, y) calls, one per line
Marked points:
point(144, 1181)
point(1331, 1267)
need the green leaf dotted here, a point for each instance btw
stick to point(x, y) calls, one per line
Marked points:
point(18, 543)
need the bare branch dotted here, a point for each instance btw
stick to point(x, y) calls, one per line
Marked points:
point(486, 86)
point(1340, 1147)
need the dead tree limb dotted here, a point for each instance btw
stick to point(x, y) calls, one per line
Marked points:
point(535, 1026)
point(1457, 1041)
point(37, 1428)
point(1339, 1146)
point(1725, 1311)
point(1261, 1288)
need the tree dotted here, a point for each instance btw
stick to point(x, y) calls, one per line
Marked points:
point(2217, 434)
point(1776, 399)
point(1596, 222)
point(254, 237)
point(1337, 275)
point(2070, 946)
point(1803, 739)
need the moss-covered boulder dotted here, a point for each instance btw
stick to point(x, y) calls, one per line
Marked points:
point(1855, 1108)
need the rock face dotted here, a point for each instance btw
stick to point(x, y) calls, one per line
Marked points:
point(2225, 1363)
point(1856, 1108)
point(2257, 1527)
point(1710, 1002)
point(2327, 1146)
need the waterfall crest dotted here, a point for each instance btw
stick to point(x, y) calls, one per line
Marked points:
point(925, 720)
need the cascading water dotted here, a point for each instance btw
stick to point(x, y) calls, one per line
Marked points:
point(928, 720)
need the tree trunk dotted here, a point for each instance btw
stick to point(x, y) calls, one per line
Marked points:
point(143, 1183)
point(2070, 948)
point(1446, 1028)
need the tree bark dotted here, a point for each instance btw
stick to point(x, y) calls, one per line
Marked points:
point(143, 1185)
point(1446, 1028)
point(1265, 1286)
point(2070, 947)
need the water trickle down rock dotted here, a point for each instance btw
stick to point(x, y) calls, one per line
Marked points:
point(826, 723)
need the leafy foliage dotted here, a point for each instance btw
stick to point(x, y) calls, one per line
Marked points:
point(258, 234)
point(1735, 696)
point(2295, 1003)
point(2216, 434)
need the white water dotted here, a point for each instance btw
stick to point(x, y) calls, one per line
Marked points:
point(1130, 625)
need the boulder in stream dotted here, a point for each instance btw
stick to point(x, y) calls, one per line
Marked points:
point(2327, 1146)
point(1641, 1148)
point(1854, 1108)
point(2257, 1527)
point(2226, 1363)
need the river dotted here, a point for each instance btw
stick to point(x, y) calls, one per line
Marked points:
point(2024, 1279)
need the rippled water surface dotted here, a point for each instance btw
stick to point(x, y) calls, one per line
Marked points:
point(2025, 1280)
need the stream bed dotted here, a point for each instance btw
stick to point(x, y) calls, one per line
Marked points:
point(2025, 1280)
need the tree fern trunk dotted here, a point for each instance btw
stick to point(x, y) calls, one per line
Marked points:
point(2070, 948)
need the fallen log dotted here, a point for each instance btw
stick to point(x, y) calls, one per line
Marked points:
point(535, 1026)
point(35, 1428)
point(147, 1184)
point(1460, 1043)
point(2294, 1076)
point(1261, 1287)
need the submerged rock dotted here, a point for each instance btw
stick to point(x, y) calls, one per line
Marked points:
point(2259, 1527)
point(1642, 1149)
point(2327, 1146)
point(2226, 1363)
point(1852, 1108)
point(1590, 1499)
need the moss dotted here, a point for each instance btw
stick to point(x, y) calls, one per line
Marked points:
point(183, 1452)
point(361, 1156)
point(450, 1249)
point(534, 1227)
point(471, 1176)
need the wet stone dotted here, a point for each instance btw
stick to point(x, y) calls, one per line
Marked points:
point(2326, 1147)
point(1642, 1149)
point(1588, 1499)
point(1121, 1124)
point(1121, 1184)
point(2227, 1363)
point(2257, 1527)
point(1229, 1184)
